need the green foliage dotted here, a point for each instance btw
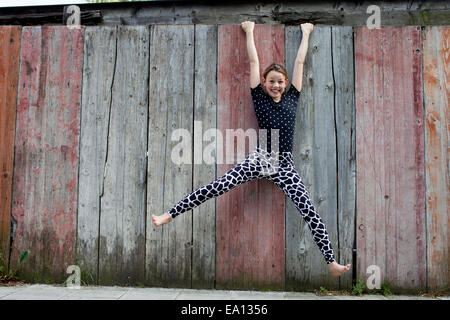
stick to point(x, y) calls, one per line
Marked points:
point(385, 291)
point(8, 275)
point(23, 257)
point(2, 265)
point(87, 278)
point(359, 287)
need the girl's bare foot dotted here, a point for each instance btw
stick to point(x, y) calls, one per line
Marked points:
point(162, 219)
point(337, 270)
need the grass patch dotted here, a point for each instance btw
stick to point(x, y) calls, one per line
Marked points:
point(359, 288)
point(9, 277)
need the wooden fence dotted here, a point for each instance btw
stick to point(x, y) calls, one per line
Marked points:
point(87, 119)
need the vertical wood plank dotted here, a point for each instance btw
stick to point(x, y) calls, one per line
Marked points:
point(9, 77)
point(229, 267)
point(344, 108)
point(315, 159)
point(368, 82)
point(250, 218)
point(46, 150)
point(171, 107)
point(268, 235)
point(409, 156)
point(122, 213)
point(388, 261)
point(417, 178)
point(98, 74)
point(205, 114)
point(436, 66)
point(390, 149)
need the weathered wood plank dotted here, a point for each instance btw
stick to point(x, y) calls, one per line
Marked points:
point(98, 74)
point(390, 162)
point(344, 108)
point(250, 218)
point(297, 277)
point(350, 13)
point(267, 263)
point(436, 66)
point(229, 267)
point(364, 105)
point(205, 113)
point(408, 157)
point(46, 150)
point(9, 77)
point(92, 17)
point(315, 159)
point(122, 213)
point(169, 248)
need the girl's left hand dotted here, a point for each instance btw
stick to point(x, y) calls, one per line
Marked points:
point(248, 26)
point(307, 27)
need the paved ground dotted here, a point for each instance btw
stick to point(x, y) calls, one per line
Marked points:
point(48, 292)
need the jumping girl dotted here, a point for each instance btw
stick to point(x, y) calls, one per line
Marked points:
point(275, 108)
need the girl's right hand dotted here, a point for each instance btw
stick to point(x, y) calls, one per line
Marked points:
point(248, 26)
point(307, 27)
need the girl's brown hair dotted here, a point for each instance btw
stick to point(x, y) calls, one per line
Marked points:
point(275, 67)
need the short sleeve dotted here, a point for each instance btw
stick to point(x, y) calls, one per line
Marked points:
point(294, 93)
point(256, 91)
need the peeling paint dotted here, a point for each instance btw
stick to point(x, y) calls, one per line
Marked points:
point(46, 171)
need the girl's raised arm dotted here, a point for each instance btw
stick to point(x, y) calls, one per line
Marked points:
point(297, 74)
point(248, 27)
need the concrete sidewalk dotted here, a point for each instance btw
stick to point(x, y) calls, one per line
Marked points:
point(49, 292)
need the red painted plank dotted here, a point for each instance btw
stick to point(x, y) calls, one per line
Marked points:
point(46, 154)
point(436, 66)
point(391, 96)
point(250, 218)
point(390, 155)
point(9, 76)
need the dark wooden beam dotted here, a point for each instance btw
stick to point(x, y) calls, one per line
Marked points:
point(350, 13)
point(93, 17)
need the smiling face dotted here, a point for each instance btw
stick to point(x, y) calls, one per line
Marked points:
point(275, 84)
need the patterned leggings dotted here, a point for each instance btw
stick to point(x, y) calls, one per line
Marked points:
point(281, 171)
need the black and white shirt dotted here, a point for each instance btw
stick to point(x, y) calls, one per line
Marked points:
point(276, 115)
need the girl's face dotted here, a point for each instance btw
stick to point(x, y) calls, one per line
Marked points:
point(275, 84)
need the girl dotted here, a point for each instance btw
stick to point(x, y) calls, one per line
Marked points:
point(275, 108)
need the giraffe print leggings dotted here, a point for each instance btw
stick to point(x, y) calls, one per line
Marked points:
point(278, 168)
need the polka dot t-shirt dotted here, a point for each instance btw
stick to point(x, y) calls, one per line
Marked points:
point(276, 115)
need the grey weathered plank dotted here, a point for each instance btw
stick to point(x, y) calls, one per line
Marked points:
point(436, 66)
point(315, 159)
point(168, 248)
point(205, 112)
point(98, 74)
point(343, 72)
point(122, 213)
